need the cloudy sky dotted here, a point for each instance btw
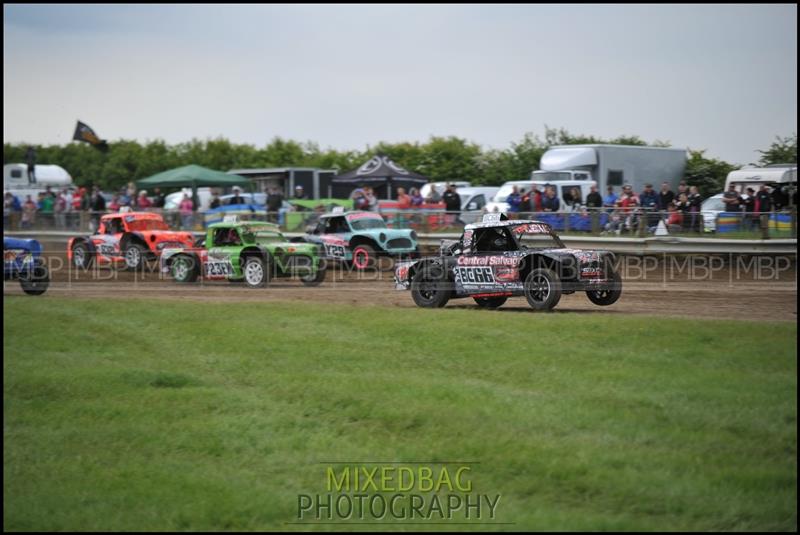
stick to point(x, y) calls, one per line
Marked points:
point(721, 78)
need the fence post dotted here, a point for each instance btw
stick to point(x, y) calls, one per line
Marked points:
point(794, 221)
point(595, 221)
point(765, 226)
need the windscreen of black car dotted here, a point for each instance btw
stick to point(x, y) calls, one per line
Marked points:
point(534, 238)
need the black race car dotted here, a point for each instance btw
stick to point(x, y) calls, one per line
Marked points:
point(497, 259)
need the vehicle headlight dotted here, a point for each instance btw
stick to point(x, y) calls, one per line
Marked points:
point(413, 234)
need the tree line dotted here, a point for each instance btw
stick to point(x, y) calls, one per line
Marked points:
point(440, 158)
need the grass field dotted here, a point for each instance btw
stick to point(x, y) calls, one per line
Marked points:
point(202, 416)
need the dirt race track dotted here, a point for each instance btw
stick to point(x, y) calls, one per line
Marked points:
point(735, 289)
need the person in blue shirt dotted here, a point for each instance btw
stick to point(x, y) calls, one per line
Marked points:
point(610, 200)
point(649, 200)
point(550, 202)
point(514, 200)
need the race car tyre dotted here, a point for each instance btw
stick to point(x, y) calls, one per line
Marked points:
point(256, 272)
point(429, 287)
point(315, 279)
point(609, 295)
point(490, 302)
point(183, 269)
point(135, 256)
point(36, 281)
point(363, 257)
point(81, 256)
point(542, 289)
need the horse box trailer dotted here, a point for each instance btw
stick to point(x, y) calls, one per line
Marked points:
point(613, 165)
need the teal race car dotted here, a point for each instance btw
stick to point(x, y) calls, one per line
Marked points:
point(360, 237)
point(250, 251)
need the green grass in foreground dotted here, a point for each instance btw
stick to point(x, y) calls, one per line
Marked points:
point(159, 415)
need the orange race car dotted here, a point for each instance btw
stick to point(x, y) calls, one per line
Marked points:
point(126, 239)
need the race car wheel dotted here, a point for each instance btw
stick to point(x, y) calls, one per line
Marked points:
point(491, 302)
point(183, 269)
point(36, 281)
point(609, 295)
point(363, 257)
point(429, 287)
point(542, 289)
point(315, 279)
point(135, 256)
point(256, 274)
point(81, 257)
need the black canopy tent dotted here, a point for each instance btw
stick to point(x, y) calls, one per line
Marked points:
point(380, 173)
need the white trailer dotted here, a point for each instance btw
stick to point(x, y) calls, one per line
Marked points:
point(16, 180)
point(613, 165)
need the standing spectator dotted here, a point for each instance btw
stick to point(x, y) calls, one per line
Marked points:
point(610, 200)
point(514, 199)
point(59, 209)
point(650, 202)
point(452, 205)
point(130, 192)
point(665, 197)
point(360, 201)
point(159, 199)
point(525, 201)
point(8, 209)
point(186, 209)
point(731, 199)
point(536, 203)
point(416, 199)
point(403, 199)
point(433, 196)
point(30, 158)
point(594, 199)
point(550, 202)
point(695, 201)
point(97, 205)
point(28, 213)
point(215, 200)
point(114, 205)
point(143, 203)
point(237, 197)
point(681, 204)
point(299, 193)
point(46, 202)
point(780, 198)
point(763, 200)
point(274, 204)
point(748, 202)
point(371, 199)
point(575, 202)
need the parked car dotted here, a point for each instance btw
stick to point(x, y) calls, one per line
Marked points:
point(474, 201)
point(440, 187)
point(360, 237)
point(126, 239)
point(497, 259)
point(22, 261)
point(251, 251)
point(711, 208)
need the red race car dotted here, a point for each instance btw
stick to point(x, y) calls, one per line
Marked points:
point(126, 239)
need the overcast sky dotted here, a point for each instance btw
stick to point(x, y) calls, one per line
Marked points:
point(721, 78)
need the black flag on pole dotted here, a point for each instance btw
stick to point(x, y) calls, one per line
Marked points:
point(84, 133)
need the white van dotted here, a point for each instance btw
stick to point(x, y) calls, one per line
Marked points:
point(440, 187)
point(772, 175)
point(173, 200)
point(474, 201)
point(499, 203)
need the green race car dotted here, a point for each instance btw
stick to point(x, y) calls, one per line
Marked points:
point(249, 251)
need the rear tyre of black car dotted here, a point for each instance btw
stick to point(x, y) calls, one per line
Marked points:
point(542, 289)
point(609, 295)
point(36, 281)
point(491, 302)
point(429, 287)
